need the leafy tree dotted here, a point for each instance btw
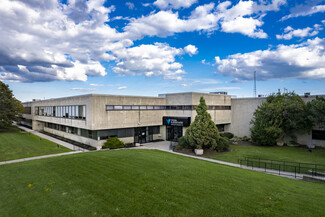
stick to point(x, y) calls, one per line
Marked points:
point(10, 108)
point(203, 132)
point(316, 112)
point(280, 116)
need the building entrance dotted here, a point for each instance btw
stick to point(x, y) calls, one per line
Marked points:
point(143, 134)
point(174, 133)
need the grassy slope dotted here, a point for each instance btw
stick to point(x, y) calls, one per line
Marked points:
point(16, 145)
point(149, 183)
point(275, 153)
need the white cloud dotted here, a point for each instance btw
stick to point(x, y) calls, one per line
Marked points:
point(54, 41)
point(96, 85)
point(83, 89)
point(301, 61)
point(175, 4)
point(305, 11)
point(122, 88)
point(191, 49)
point(245, 17)
point(289, 32)
point(130, 5)
point(157, 59)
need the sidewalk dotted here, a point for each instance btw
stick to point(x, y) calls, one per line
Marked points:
point(38, 157)
point(57, 141)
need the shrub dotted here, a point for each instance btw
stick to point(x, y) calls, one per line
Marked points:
point(183, 142)
point(113, 142)
point(235, 139)
point(178, 147)
point(245, 138)
point(223, 144)
point(227, 135)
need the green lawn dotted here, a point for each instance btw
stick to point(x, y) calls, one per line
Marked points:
point(275, 153)
point(149, 183)
point(16, 144)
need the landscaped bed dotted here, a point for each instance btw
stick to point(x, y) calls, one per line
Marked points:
point(16, 144)
point(149, 183)
point(246, 149)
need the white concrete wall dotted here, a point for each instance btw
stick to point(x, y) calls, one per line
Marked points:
point(241, 115)
point(103, 119)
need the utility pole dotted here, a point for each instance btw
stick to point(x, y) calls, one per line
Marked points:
point(254, 83)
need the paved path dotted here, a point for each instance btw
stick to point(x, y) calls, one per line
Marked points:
point(52, 139)
point(38, 157)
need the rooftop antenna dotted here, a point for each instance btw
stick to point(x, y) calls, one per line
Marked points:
point(254, 83)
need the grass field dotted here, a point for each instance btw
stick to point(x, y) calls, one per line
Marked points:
point(149, 183)
point(275, 153)
point(15, 144)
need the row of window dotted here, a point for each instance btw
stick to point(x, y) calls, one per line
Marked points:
point(71, 111)
point(101, 134)
point(157, 107)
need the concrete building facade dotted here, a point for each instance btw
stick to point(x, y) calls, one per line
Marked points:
point(91, 119)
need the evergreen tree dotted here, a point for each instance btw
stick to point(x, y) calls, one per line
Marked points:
point(203, 132)
point(10, 108)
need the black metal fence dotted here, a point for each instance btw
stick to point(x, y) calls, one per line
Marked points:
point(279, 166)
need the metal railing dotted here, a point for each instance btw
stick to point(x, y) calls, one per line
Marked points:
point(288, 167)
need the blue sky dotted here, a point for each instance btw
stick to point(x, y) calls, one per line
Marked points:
point(55, 48)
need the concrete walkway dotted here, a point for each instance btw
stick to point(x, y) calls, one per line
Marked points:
point(38, 157)
point(52, 139)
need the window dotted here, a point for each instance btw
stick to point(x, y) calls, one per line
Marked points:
point(143, 107)
point(84, 112)
point(318, 134)
point(173, 107)
point(179, 107)
point(109, 107)
point(77, 113)
point(135, 107)
point(127, 107)
point(118, 107)
point(122, 133)
point(149, 107)
point(154, 130)
point(187, 107)
point(72, 111)
point(157, 107)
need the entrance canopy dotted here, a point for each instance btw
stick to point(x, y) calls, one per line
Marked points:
point(177, 121)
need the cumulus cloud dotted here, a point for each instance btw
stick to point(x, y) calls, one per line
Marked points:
point(54, 41)
point(49, 40)
point(300, 61)
point(245, 17)
point(290, 32)
point(191, 49)
point(175, 4)
point(157, 59)
point(304, 10)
